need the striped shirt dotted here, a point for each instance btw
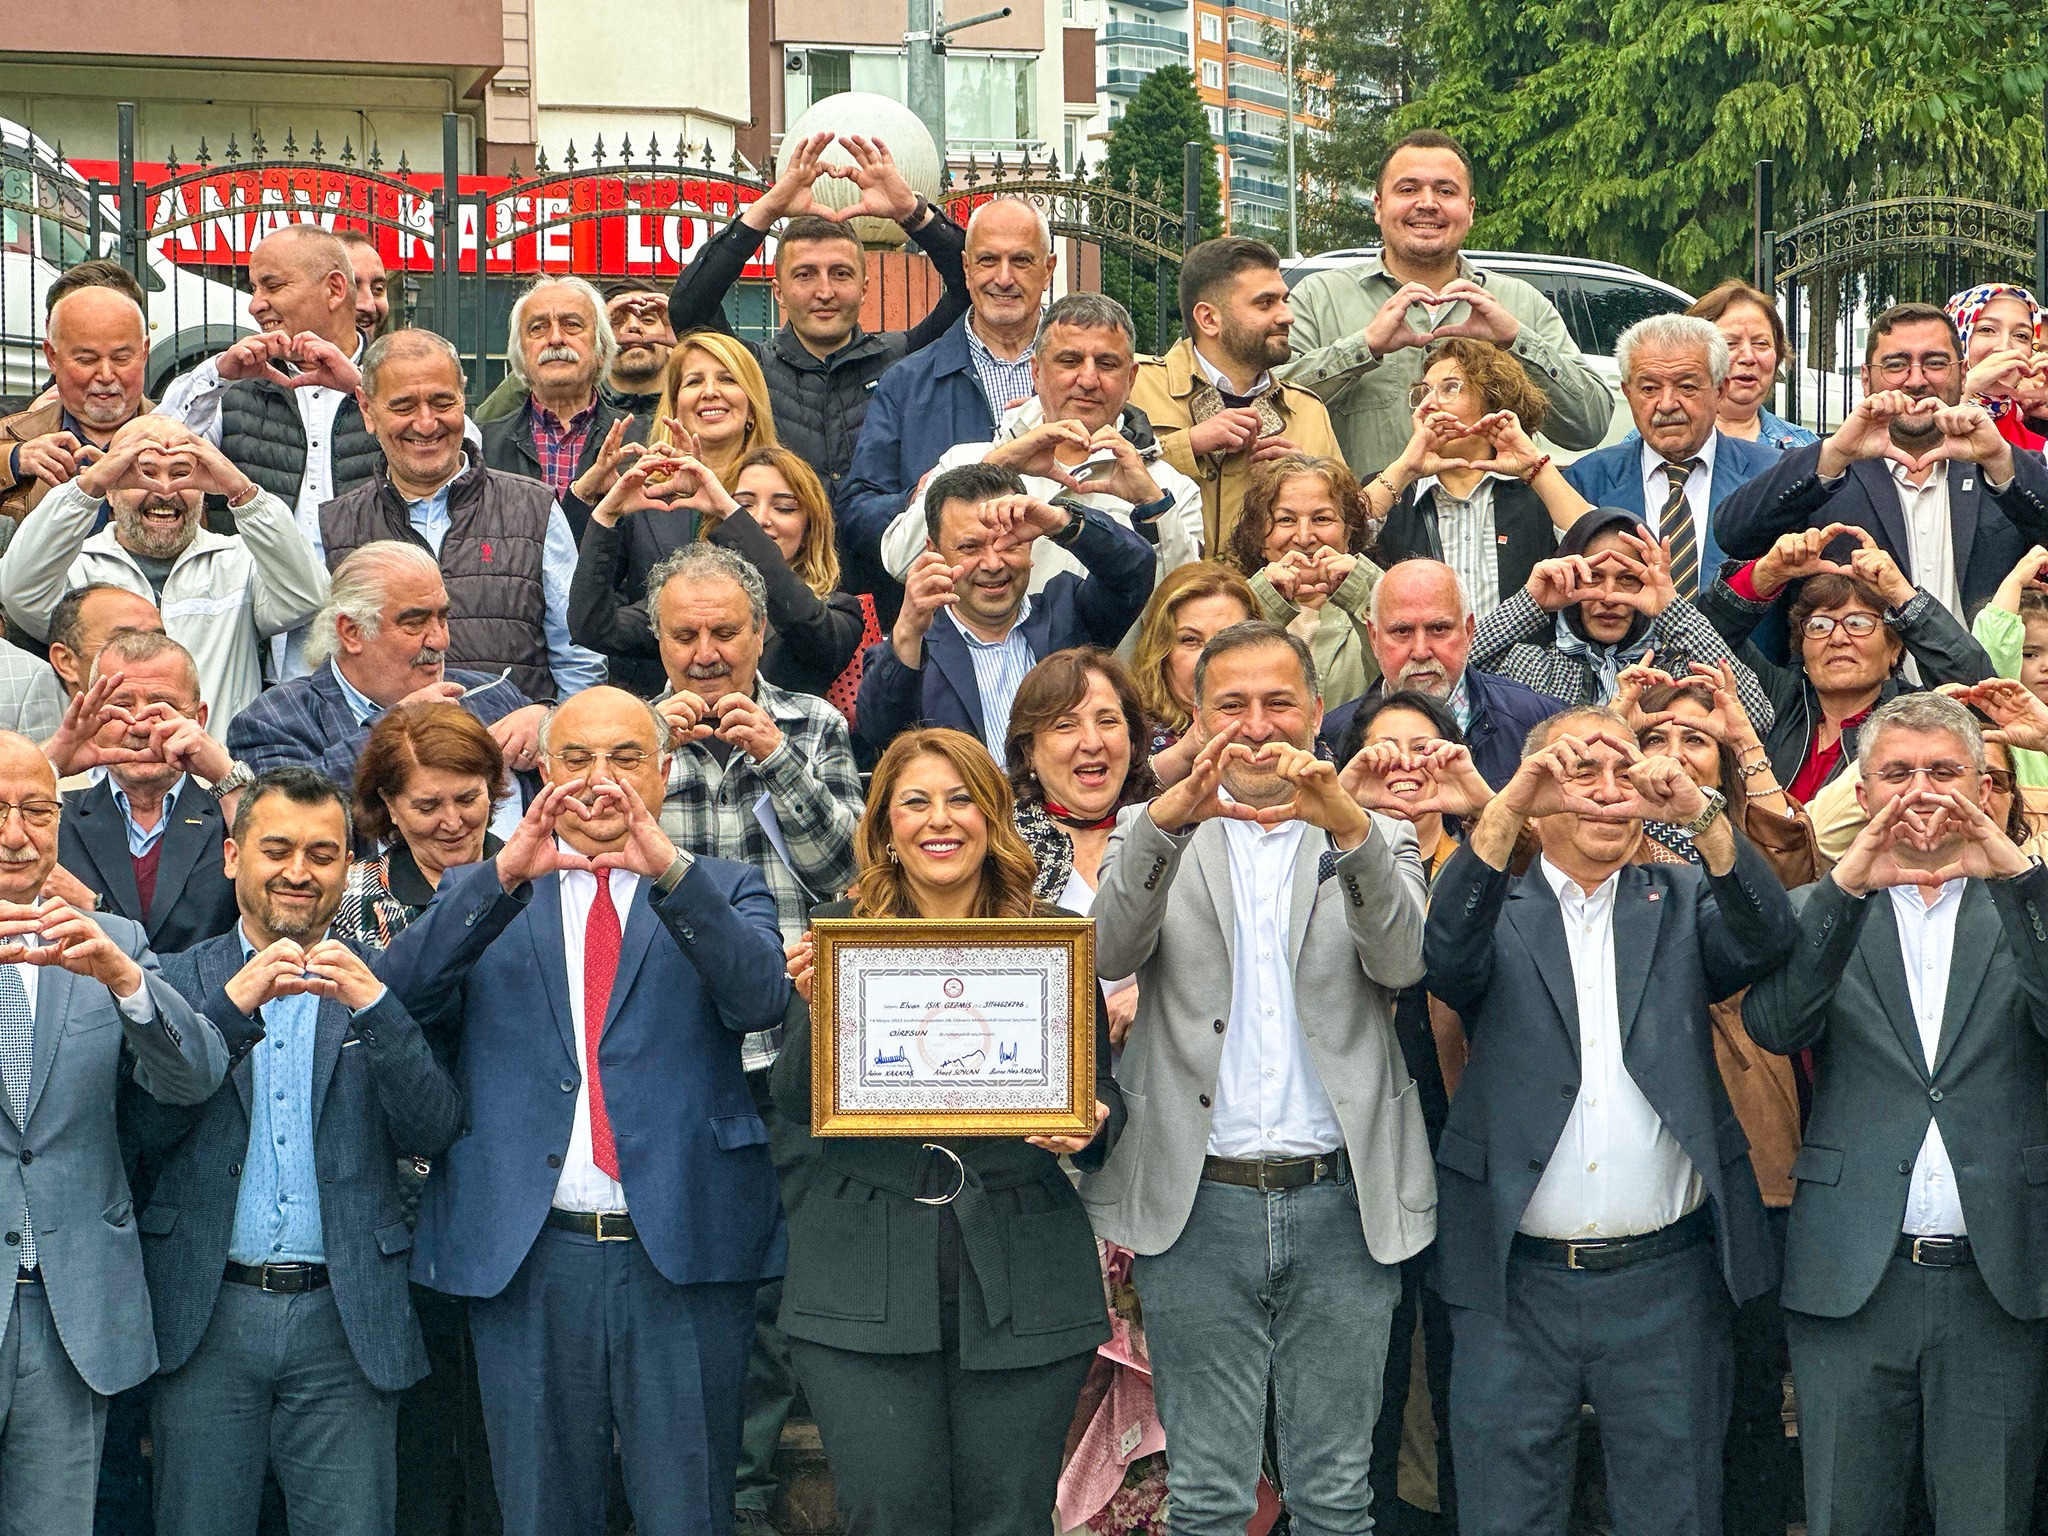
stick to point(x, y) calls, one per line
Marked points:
point(1004, 383)
point(1470, 539)
point(999, 668)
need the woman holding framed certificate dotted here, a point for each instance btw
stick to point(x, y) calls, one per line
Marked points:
point(943, 1298)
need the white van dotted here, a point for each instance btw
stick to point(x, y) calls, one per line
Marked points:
point(1597, 300)
point(190, 317)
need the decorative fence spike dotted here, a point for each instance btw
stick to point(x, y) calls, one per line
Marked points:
point(256, 148)
point(204, 157)
point(348, 150)
point(171, 158)
point(233, 154)
point(319, 150)
point(291, 145)
point(597, 151)
point(540, 160)
point(376, 160)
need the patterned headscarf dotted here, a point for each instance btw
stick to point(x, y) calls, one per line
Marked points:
point(1967, 307)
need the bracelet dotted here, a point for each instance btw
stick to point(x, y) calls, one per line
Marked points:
point(254, 491)
point(1751, 770)
point(910, 222)
point(1536, 469)
point(1381, 479)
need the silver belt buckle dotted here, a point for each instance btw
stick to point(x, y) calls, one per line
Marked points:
point(959, 1168)
point(264, 1272)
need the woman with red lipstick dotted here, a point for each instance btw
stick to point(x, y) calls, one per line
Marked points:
point(943, 1298)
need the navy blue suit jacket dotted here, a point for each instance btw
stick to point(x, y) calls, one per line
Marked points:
point(1067, 610)
point(1990, 529)
point(307, 721)
point(1503, 712)
point(1613, 477)
point(697, 971)
point(1497, 955)
point(923, 405)
point(194, 899)
point(378, 1094)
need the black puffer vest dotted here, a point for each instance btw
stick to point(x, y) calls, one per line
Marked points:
point(263, 436)
point(819, 406)
point(490, 560)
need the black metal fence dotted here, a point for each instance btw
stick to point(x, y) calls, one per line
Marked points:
point(459, 246)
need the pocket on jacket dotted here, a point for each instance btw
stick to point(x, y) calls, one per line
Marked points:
point(394, 1237)
point(87, 1020)
point(1822, 1165)
point(839, 1259)
point(1055, 1281)
point(2035, 1161)
point(736, 1131)
point(158, 1220)
point(119, 1214)
point(1415, 1181)
point(1461, 1154)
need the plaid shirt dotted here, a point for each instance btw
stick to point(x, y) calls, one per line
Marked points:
point(814, 790)
point(559, 447)
point(1005, 383)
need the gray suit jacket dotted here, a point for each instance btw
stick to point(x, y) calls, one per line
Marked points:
point(1845, 996)
point(64, 1152)
point(1356, 940)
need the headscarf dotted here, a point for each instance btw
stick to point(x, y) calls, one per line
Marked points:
point(1605, 662)
point(1967, 307)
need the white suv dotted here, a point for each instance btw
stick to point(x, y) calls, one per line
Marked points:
point(190, 317)
point(1597, 300)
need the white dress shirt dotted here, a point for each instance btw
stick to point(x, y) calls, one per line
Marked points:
point(1930, 540)
point(1269, 1101)
point(1617, 1170)
point(1698, 488)
point(1215, 376)
point(1927, 940)
point(583, 1186)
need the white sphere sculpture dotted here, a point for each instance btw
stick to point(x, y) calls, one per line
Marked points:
point(874, 117)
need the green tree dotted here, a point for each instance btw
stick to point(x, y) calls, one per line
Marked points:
point(1358, 63)
point(1148, 143)
point(1628, 129)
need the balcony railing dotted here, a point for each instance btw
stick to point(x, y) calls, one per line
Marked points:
point(1253, 47)
point(1170, 7)
point(1143, 32)
point(1253, 146)
point(1277, 9)
point(1258, 187)
point(1123, 82)
point(1253, 93)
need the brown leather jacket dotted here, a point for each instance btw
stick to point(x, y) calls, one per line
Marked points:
point(18, 498)
point(1759, 1082)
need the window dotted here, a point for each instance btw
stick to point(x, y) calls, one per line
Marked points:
point(1212, 28)
point(1212, 74)
point(1215, 120)
point(831, 72)
point(1613, 306)
point(1066, 10)
point(1070, 150)
point(990, 100)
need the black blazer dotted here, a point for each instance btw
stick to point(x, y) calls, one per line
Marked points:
point(1847, 1000)
point(194, 899)
point(508, 446)
point(864, 1255)
point(1990, 529)
point(1523, 531)
point(1497, 955)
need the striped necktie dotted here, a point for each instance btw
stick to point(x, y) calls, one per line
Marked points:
point(17, 1065)
point(1675, 523)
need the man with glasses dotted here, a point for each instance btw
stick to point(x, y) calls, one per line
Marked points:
point(1853, 626)
point(1930, 479)
point(1916, 1265)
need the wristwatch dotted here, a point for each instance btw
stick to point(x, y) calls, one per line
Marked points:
point(1716, 804)
point(239, 776)
point(672, 877)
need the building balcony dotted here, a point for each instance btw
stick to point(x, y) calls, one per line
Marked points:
point(1123, 82)
point(1253, 48)
point(1254, 146)
point(1257, 189)
point(1277, 9)
point(1163, 7)
point(1143, 32)
point(1258, 96)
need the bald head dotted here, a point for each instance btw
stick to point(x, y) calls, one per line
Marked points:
point(613, 741)
point(1421, 627)
point(97, 347)
point(1010, 264)
point(301, 279)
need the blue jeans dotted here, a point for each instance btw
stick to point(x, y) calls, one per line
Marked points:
point(1268, 1291)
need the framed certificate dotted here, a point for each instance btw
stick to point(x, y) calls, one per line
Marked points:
point(984, 1027)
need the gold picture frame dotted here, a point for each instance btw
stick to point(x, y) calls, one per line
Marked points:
point(980, 1027)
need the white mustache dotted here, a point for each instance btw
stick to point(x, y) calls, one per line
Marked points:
point(558, 355)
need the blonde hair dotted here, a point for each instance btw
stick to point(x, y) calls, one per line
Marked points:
point(817, 556)
point(1199, 578)
point(1008, 873)
point(738, 361)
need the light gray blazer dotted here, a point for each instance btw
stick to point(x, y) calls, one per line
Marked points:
point(66, 1153)
point(1356, 941)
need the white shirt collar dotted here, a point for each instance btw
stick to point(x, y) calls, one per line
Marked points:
point(1567, 889)
point(1430, 483)
point(1654, 462)
point(1215, 376)
point(972, 638)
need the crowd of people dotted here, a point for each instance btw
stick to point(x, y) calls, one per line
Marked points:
point(439, 799)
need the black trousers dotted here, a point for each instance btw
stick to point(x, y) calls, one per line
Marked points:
point(444, 1459)
point(921, 1447)
point(1760, 1486)
point(1647, 1346)
point(1930, 1358)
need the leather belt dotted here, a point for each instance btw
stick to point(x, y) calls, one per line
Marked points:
point(1618, 1252)
point(280, 1279)
point(605, 1226)
point(23, 1275)
point(1935, 1252)
point(1271, 1173)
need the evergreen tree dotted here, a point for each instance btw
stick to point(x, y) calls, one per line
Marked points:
point(1358, 63)
point(1150, 141)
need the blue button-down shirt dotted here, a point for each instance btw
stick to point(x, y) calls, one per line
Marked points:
point(142, 839)
point(999, 668)
point(277, 1213)
point(1003, 381)
point(574, 667)
point(360, 704)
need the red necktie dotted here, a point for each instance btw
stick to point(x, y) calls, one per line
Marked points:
point(600, 969)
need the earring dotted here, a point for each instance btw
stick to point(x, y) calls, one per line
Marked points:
point(891, 851)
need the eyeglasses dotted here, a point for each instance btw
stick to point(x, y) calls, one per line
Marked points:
point(1820, 625)
point(2001, 779)
point(582, 759)
point(1945, 772)
point(1933, 364)
point(34, 813)
point(1445, 390)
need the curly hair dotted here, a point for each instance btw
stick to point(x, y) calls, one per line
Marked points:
point(1008, 873)
point(1058, 684)
point(409, 736)
point(1247, 544)
point(1156, 626)
point(1503, 383)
